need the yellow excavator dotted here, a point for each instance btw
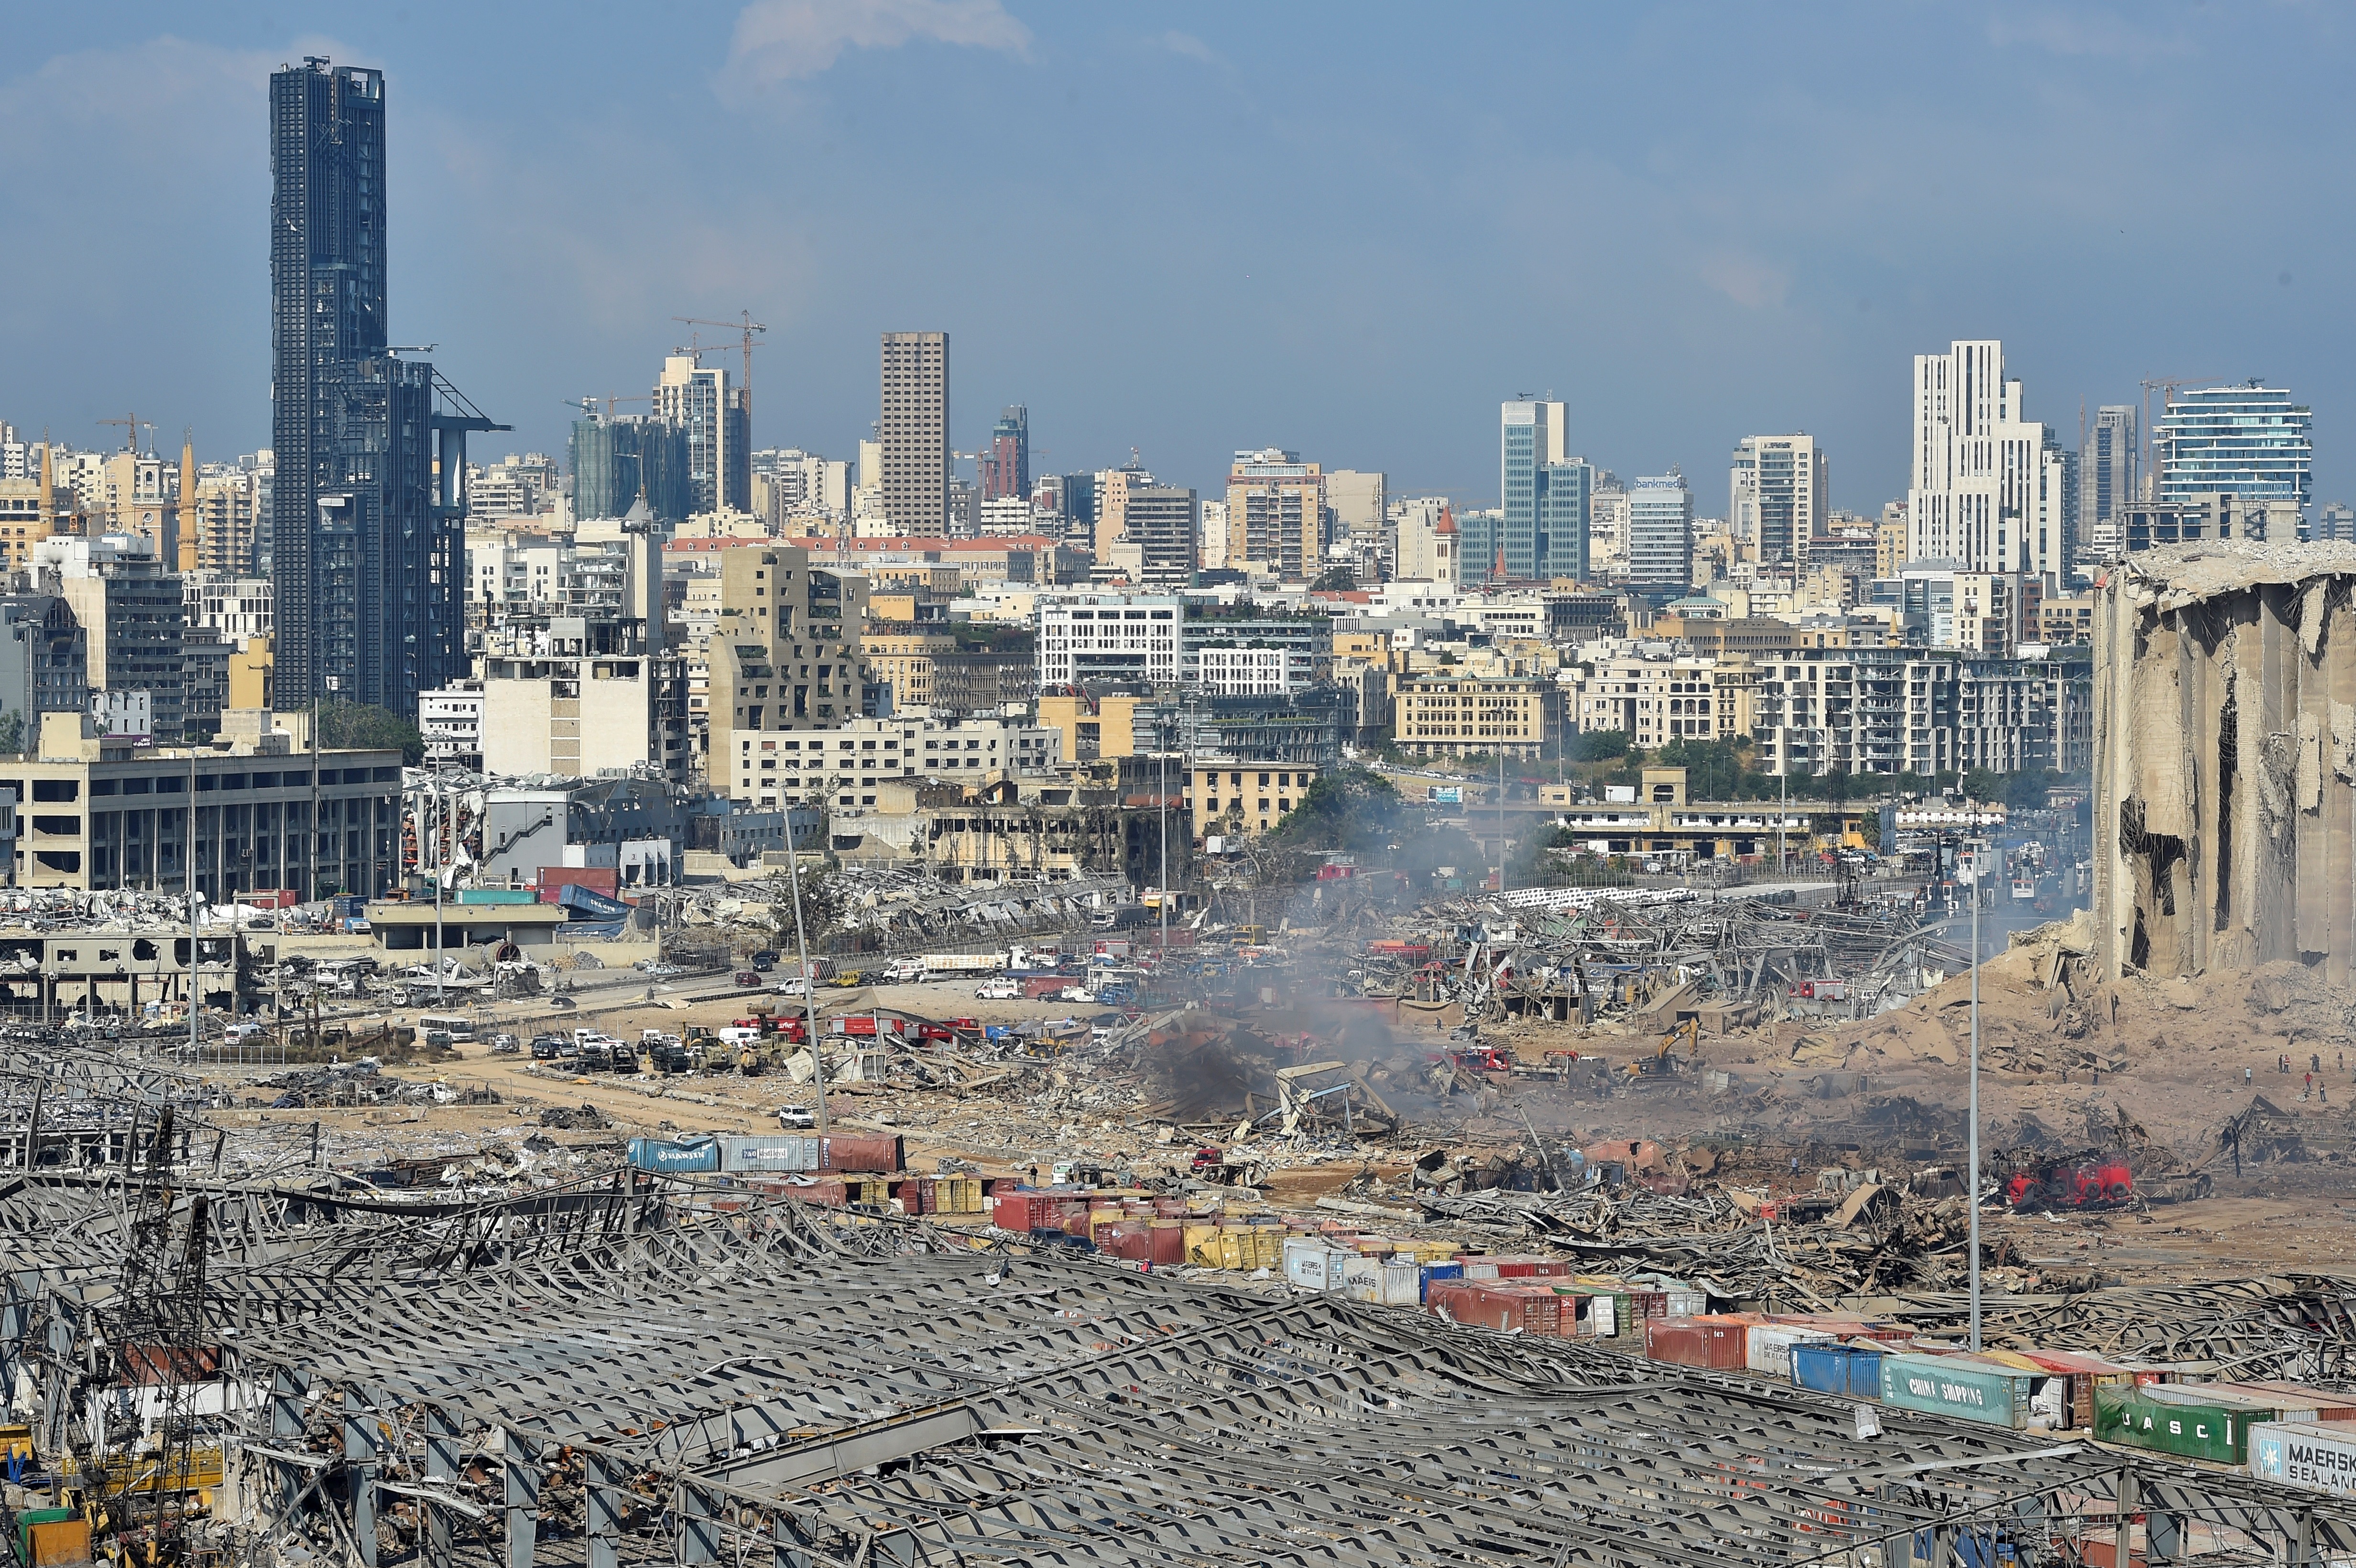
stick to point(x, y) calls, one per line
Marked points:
point(1660, 1064)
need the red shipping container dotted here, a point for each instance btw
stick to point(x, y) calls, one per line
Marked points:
point(603, 879)
point(1075, 1218)
point(1169, 1208)
point(1169, 1246)
point(929, 1195)
point(1133, 1244)
point(1503, 1307)
point(1720, 1343)
point(874, 1152)
point(1014, 1210)
point(1524, 1265)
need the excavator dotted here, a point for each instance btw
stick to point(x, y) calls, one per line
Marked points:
point(1660, 1063)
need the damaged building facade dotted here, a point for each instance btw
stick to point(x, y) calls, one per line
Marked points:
point(2225, 759)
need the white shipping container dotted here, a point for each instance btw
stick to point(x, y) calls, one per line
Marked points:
point(1601, 1318)
point(1769, 1346)
point(1401, 1285)
point(1310, 1264)
point(1480, 1268)
point(2313, 1455)
point(1362, 1276)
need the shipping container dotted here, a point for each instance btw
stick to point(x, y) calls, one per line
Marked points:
point(1492, 1305)
point(2086, 1373)
point(1399, 1285)
point(1697, 1341)
point(1429, 1275)
point(605, 879)
point(1848, 1370)
point(497, 895)
point(2314, 1456)
point(1957, 1386)
point(2135, 1418)
point(1169, 1242)
point(1310, 1264)
point(1767, 1348)
point(2289, 1396)
point(867, 1152)
point(701, 1155)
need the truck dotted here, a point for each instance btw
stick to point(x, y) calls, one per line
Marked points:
point(967, 966)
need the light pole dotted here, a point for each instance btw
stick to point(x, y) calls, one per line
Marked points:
point(1972, 1133)
point(809, 991)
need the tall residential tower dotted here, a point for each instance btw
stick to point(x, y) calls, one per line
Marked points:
point(914, 433)
point(1988, 490)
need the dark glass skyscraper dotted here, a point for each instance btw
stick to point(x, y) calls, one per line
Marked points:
point(368, 554)
point(616, 461)
point(1006, 466)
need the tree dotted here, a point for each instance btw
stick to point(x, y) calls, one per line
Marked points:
point(1335, 580)
point(1599, 746)
point(1350, 808)
point(360, 726)
point(12, 731)
point(1714, 769)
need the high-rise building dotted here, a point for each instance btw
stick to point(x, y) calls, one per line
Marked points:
point(914, 433)
point(2249, 441)
point(1275, 510)
point(1565, 491)
point(1357, 502)
point(367, 498)
point(1522, 446)
point(1990, 490)
point(2106, 476)
point(1660, 533)
point(2336, 522)
point(1781, 496)
point(1006, 466)
point(617, 460)
point(1144, 531)
point(786, 657)
point(718, 425)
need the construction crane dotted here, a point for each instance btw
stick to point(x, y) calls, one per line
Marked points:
point(2166, 387)
point(131, 428)
point(588, 405)
point(748, 326)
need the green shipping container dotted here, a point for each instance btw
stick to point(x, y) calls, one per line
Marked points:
point(1947, 1385)
point(497, 896)
point(2217, 1433)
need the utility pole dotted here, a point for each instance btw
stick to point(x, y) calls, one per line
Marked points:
point(1162, 797)
point(810, 992)
point(196, 992)
point(1972, 1136)
point(1501, 818)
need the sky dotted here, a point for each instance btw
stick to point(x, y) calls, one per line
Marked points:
point(1347, 230)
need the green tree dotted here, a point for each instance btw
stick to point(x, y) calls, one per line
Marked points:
point(12, 731)
point(1349, 808)
point(1335, 580)
point(1715, 770)
point(1599, 746)
point(360, 726)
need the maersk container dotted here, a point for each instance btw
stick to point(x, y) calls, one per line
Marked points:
point(675, 1158)
point(1957, 1386)
point(1767, 1348)
point(2316, 1455)
point(2189, 1428)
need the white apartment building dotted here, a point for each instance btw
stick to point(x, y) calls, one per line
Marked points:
point(236, 607)
point(1990, 490)
point(1108, 636)
point(1425, 549)
point(1655, 699)
point(1889, 711)
point(841, 768)
point(1211, 537)
point(1253, 672)
point(450, 723)
point(1780, 496)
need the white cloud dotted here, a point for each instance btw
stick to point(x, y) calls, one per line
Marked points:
point(1189, 45)
point(785, 40)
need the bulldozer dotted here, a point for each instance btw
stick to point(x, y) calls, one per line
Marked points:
point(1663, 1063)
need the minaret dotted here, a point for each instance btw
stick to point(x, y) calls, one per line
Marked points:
point(186, 512)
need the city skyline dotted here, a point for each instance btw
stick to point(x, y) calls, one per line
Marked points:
point(1405, 316)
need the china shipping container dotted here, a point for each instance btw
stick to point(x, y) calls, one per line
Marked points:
point(1958, 1386)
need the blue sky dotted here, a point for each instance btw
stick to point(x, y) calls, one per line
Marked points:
point(1349, 230)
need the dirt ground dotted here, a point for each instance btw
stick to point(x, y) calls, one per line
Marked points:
point(2175, 1060)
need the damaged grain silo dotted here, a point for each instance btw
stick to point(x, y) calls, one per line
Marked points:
point(2225, 759)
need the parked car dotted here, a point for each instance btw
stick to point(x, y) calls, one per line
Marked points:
point(796, 1118)
point(747, 977)
point(625, 1056)
point(660, 971)
point(765, 959)
point(998, 991)
point(238, 1034)
point(505, 1045)
point(850, 977)
point(1077, 993)
point(793, 986)
point(549, 1047)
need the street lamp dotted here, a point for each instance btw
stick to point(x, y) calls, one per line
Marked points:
point(1971, 880)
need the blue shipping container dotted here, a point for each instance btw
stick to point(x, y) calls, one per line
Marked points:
point(663, 1154)
point(1851, 1372)
point(1431, 1272)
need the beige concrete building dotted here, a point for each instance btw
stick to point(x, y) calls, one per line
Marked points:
point(1092, 726)
point(1655, 701)
point(914, 432)
point(785, 656)
point(1248, 798)
point(1445, 714)
point(98, 813)
point(1276, 514)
